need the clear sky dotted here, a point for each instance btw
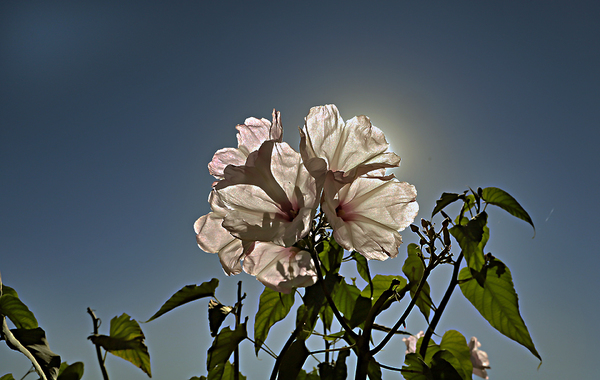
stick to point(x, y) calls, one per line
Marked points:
point(111, 110)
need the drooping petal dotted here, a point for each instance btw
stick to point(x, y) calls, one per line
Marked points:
point(280, 268)
point(367, 214)
point(213, 238)
point(350, 150)
point(479, 359)
point(271, 198)
point(224, 157)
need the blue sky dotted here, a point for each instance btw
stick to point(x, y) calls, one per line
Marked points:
point(112, 110)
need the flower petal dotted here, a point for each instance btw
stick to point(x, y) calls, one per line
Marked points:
point(479, 359)
point(367, 214)
point(279, 268)
point(213, 238)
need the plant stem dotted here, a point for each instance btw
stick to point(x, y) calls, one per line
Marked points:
point(438, 313)
point(238, 317)
point(96, 323)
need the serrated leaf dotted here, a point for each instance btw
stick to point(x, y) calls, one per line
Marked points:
point(126, 341)
point(217, 312)
point(505, 201)
point(293, 360)
point(444, 201)
point(498, 302)
point(272, 308)
point(187, 294)
point(15, 310)
point(34, 341)
point(472, 239)
point(70, 372)
point(223, 345)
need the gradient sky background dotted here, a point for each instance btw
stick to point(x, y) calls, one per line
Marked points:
point(110, 112)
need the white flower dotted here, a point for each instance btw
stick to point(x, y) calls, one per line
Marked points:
point(366, 215)
point(272, 198)
point(411, 342)
point(250, 137)
point(479, 359)
point(280, 268)
point(349, 150)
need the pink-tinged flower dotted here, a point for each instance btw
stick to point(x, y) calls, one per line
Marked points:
point(479, 359)
point(213, 238)
point(411, 342)
point(366, 215)
point(349, 150)
point(280, 268)
point(250, 137)
point(272, 198)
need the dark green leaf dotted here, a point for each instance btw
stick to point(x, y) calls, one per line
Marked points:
point(455, 343)
point(314, 299)
point(341, 371)
point(472, 238)
point(223, 345)
point(362, 267)
point(374, 370)
point(126, 341)
point(224, 371)
point(443, 366)
point(444, 201)
point(15, 310)
point(313, 375)
point(505, 201)
point(360, 312)
point(8, 376)
point(344, 296)
point(293, 360)
point(415, 368)
point(331, 256)
point(498, 302)
point(187, 294)
point(217, 313)
point(381, 283)
point(34, 341)
point(272, 308)
point(70, 372)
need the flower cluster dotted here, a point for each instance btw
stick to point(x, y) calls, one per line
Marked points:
point(267, 195)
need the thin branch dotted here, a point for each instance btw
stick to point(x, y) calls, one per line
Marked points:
point(96, 323)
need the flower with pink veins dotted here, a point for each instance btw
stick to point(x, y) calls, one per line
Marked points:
point(272, 198)
point(367, 214)
point(280, 268)
point(349, 150)
point(250, 137)
point(479, 359)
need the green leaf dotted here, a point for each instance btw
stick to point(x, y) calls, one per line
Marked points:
point(34, 341)
point(360, 312)
point(224, 371)
point(293, 360)
point(413, 266)
point(8, 376)
point(340, 370)
point(272, 308)
point(70, 372)
point(444, 201)
point(374, 370)
point(443, 366)
point(472, 238)
point(331, 256)
point(313, 375)
point(498, 302)
point(344, 296)
point(505, 201)
point(362, 267)
point(187, 294)
point(314, 299)
point(217, 313)
point(223, 345)
point(126, 341)
point(15, 310)
point(455, 343)
point(415, 368)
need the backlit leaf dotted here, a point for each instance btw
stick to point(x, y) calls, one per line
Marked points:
point(272, 308)
point(70, 372)
point(223, 345)
point(505, 201)
point(15, 310)
point(187, 294)
point(497, 302)
point(444, 201)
